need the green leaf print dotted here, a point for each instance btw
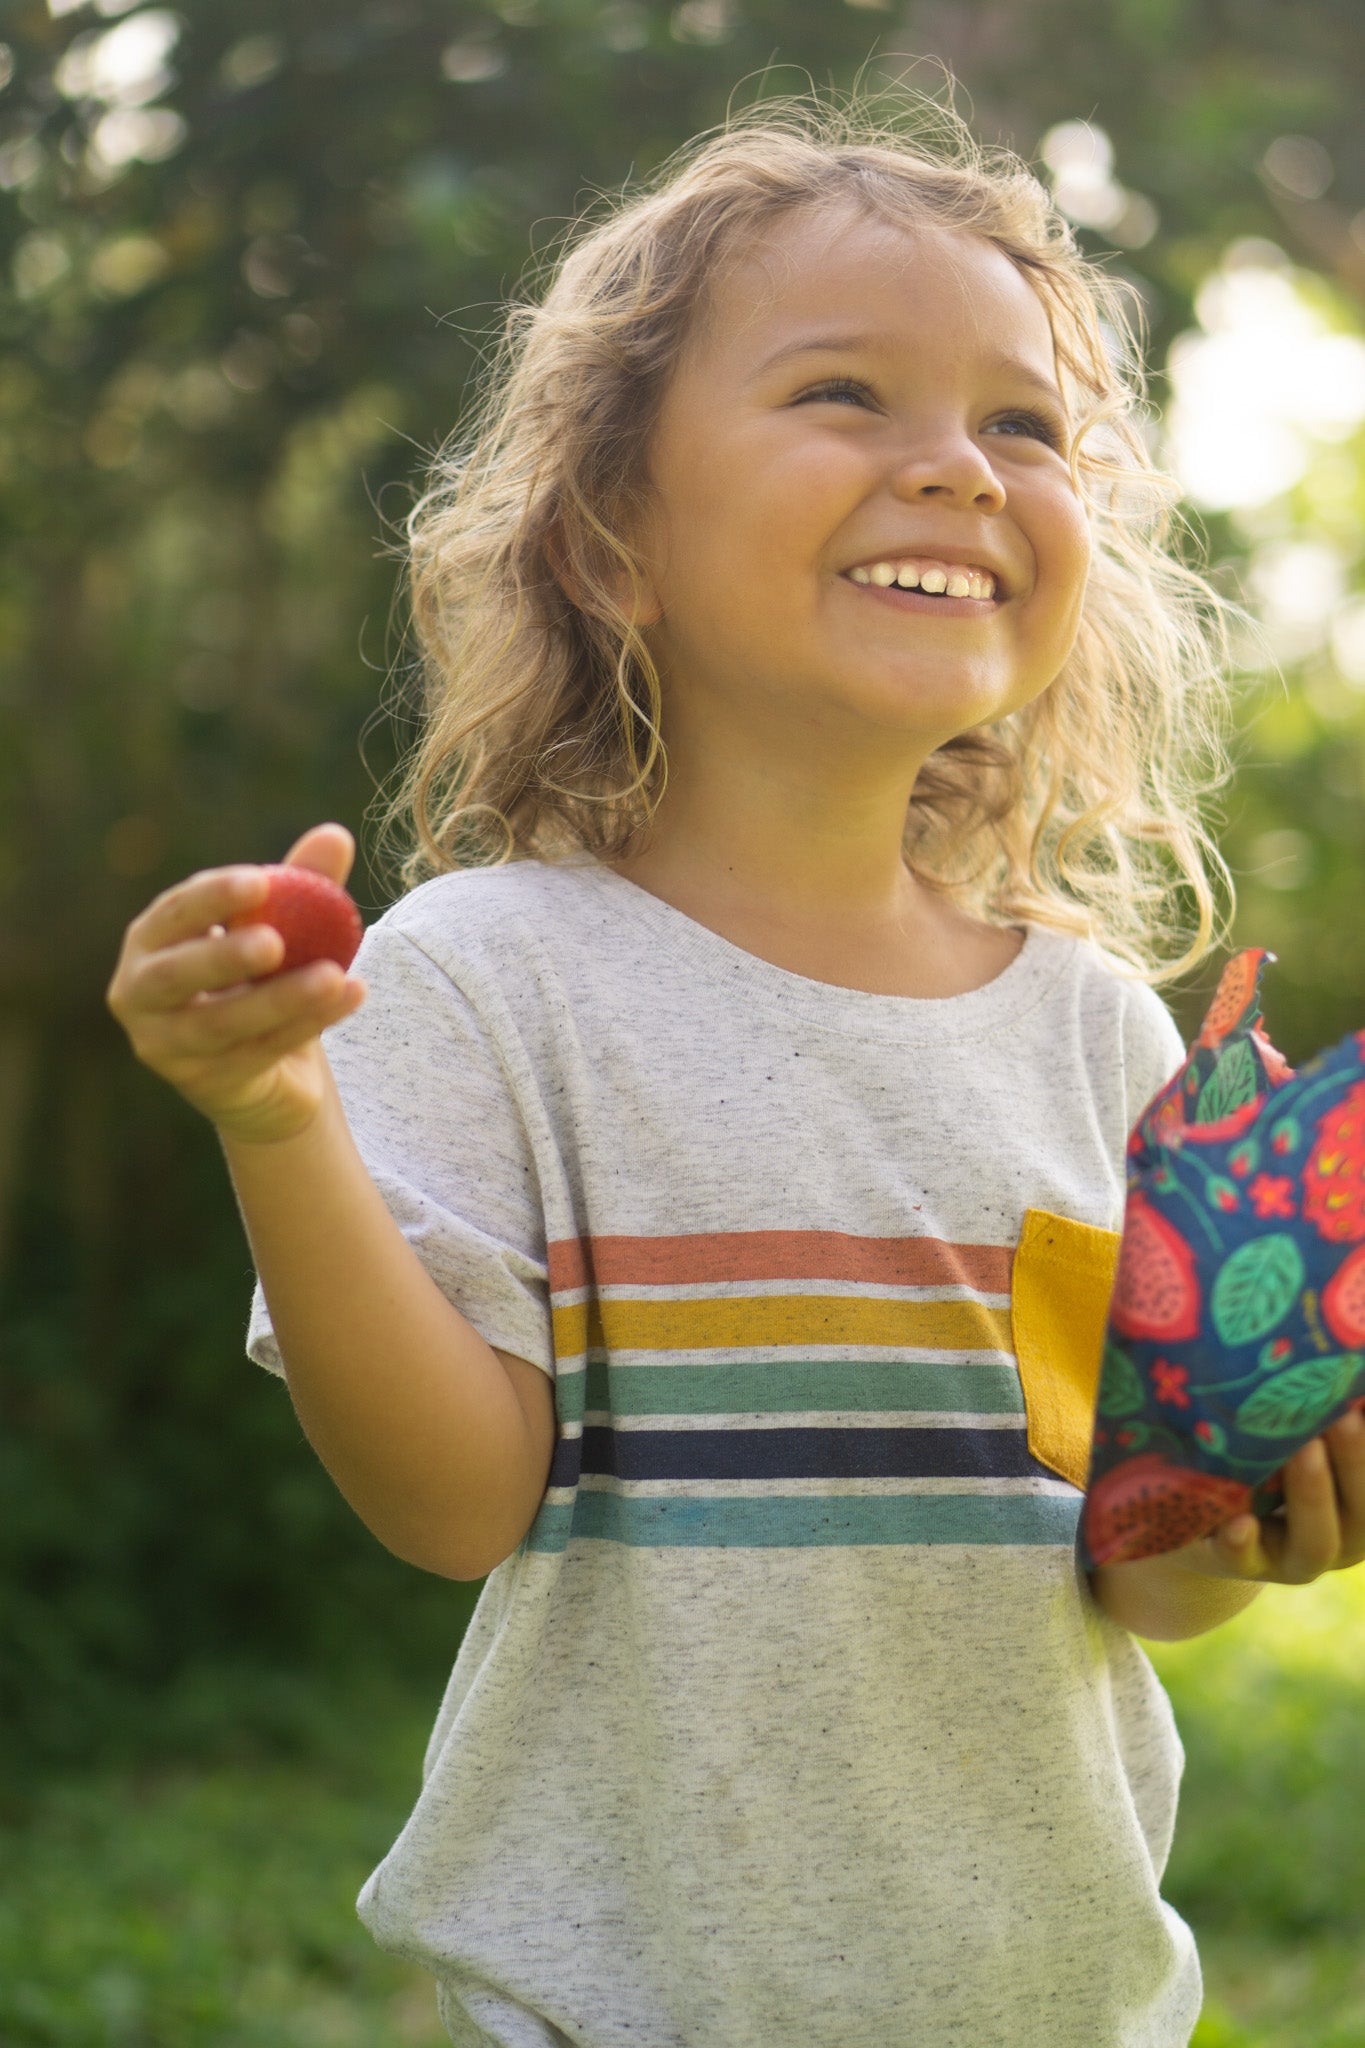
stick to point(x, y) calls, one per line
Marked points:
point(1255, 1288)
point(1120, 1387)
point(1296, 1402)
point(1232, 1082)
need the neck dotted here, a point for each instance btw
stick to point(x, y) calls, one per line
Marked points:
point(795, 850)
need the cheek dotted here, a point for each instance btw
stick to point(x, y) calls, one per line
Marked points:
point(1068, 556)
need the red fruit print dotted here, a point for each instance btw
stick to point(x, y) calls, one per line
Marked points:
point(312, 914)
point(1334, 1172)
point(1146, 1506)
point(1156, 1291)
point(1343, 1300)
point(1233, 996)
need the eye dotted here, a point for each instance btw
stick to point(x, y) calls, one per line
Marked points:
point(1035, 424)
point(838, 387)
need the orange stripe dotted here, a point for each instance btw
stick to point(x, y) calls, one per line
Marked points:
point(776, 1255)
point(762, 1321)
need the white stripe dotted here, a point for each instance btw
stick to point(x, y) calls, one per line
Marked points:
point(756, 1290)
point(772, 1354)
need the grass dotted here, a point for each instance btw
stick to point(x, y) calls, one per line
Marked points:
point(210, 1903)
point(1268, 1864)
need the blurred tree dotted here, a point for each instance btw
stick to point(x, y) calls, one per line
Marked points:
point(248, 260)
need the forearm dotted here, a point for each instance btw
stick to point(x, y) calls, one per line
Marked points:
point(410, 1410)
point(1164, 1601)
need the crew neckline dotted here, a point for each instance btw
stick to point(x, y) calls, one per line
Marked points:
point(853, 1012)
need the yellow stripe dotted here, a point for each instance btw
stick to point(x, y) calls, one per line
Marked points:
point(812, 1321)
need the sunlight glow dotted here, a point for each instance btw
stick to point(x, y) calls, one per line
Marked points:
point(123, 66)
point(1262, 379)
point(1080, 157)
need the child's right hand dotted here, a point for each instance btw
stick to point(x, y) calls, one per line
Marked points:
point(246, 1053)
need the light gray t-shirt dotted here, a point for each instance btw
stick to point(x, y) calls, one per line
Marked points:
point(792, 1720)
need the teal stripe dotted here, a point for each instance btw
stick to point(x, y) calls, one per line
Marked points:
point(772, 1522)
point(782, 1386)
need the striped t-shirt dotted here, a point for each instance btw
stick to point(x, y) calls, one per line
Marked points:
point(792, 1720)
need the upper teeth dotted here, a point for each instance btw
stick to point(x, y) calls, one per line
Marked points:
point(936, 577)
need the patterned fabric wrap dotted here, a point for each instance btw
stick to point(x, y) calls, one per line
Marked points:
point(1236, 1328)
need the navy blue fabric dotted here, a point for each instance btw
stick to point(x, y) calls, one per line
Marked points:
point(1236, 1328)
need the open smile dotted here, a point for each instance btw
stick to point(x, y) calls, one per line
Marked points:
point(925, 600)
point(923, 583)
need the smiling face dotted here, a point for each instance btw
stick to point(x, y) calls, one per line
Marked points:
point(862, 398)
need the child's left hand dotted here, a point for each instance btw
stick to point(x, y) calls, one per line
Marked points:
point(1320, 1529)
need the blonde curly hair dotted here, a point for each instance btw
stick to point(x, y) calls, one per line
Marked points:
point(541, 718)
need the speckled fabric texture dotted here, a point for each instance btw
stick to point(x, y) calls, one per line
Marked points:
point(792, 1720)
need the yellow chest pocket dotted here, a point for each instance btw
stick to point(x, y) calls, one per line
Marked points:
point(1060, 1284)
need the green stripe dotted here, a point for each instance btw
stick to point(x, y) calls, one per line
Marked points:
point(772, 1522)
point(766, 1386)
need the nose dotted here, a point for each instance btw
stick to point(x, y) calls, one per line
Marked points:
point(948, 464)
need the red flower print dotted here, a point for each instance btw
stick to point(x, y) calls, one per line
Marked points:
point(1125, 1436)
point(1169, 1381)
point(1203, 1430)
point(1334, 1172)
point(1272, 1195)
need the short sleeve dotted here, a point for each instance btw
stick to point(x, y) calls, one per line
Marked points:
point(1152, 1048)
point(436, 1121)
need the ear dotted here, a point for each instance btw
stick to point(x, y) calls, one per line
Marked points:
point(617, 581)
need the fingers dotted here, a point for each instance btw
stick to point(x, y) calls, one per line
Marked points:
point(1346, 1442)
point(174, 975)
point(199, 906)
point(303, 1002)
point(327, 849)
point(1307, 1541)
point(190, 907)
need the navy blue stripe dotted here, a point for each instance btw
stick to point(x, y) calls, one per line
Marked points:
point(795, 1454)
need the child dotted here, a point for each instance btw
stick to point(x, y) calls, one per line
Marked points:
point(813, 707)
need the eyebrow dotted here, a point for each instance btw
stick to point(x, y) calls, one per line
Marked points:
point(873, 344)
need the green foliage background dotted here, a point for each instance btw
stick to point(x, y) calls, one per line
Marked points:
point(221, 365)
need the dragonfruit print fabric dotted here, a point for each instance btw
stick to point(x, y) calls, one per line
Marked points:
point(1236, 1328)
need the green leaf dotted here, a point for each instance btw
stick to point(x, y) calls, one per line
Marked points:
point(1120, 1387)
point(1294, 1403)
point(1233, 1081)
point(1255, 1288)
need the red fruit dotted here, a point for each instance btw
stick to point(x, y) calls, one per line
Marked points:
point(1156, 1293)
point(1146, 1506)
point(314, 916)
point(1343, 1300)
